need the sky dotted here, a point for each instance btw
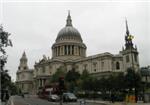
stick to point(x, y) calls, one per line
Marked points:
point(34, 27)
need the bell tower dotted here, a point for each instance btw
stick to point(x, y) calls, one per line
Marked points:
point(23, 62)
point(130, 53)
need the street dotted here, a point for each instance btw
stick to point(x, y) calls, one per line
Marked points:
point(18, 100)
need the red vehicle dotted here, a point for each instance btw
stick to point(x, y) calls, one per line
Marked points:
point(47, 90)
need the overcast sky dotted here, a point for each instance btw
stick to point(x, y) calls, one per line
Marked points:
point(34, 27)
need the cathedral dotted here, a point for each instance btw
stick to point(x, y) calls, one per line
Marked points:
point(69, 52)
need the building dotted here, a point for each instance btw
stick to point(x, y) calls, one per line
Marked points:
point(69, 51)
point(24, 78)
point(145, 72)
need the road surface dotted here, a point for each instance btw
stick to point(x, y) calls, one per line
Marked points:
point(18, 100)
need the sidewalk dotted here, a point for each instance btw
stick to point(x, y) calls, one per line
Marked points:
point(116, 103)
point(123, 103)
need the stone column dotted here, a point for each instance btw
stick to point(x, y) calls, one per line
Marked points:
point(54, 52)
point(85, 52)
point(74, 50)
point(67, 49)
point(79, 50)
point(42, 83)
point(39, 83)
point(57, 51)
point(60, 50)
point(70, 49)
point(63, 48)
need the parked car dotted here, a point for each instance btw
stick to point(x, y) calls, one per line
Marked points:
point(69, 97)
point(53, 97)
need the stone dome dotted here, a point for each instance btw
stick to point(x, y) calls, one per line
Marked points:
point(68, 44)
point(69, 32)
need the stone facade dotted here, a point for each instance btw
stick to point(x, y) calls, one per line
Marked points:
point(69, 52)
point(24, 76)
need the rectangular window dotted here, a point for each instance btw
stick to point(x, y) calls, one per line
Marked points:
point(95, 66)
point(127, 58)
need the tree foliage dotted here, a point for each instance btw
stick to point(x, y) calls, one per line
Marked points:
point(7, 86)
point(132, 79)
point(4, 42)
point(61, 72)
point(72, 76)
point(116, 83)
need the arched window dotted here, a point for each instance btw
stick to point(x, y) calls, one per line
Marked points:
point(117, 65)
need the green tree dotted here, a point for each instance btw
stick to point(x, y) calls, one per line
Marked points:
point(133, 81)
point(4, 77)
point(61, 72)
point(85, 80)
point(85, 74)
point(4, 42)
point(72, 79)
point(72, 76)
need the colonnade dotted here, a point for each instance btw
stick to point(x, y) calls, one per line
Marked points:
point(41, 82)
point(68, 50)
